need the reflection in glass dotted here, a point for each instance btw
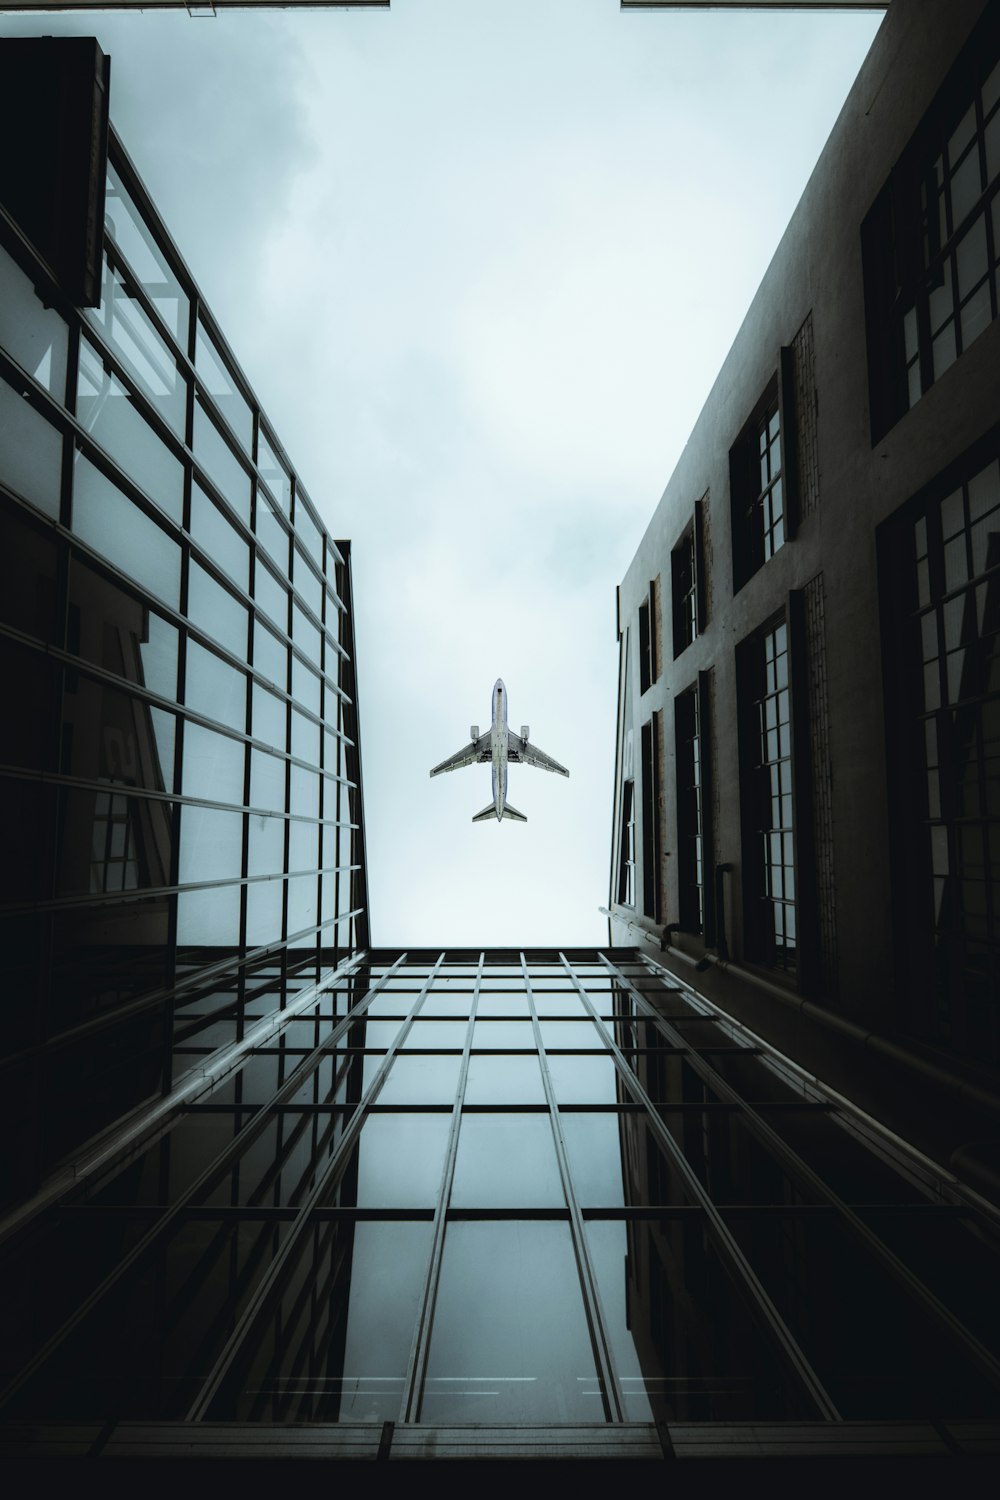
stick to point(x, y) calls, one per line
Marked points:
point(512, 1034)
point(149, 1345)
point(421, 1080)
point(594, 1147)
point(35, 335)
point(145, 257)
point(217, 539)
point(209, 919)
point(510, 1342)
point(584, 1080)
point(398, 1161)
point(214, 377)
point(125, 325)
point(213, 765)
point(214, 688)
point(214, 610)
point(506, 1161)
point(337, 1345)
point(119, 531)
point(607, 1241)
point(220, 463)
point(107, 411)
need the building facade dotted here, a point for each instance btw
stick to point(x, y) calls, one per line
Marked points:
point(504, 1204)
point(807, 800)
point(184, 846)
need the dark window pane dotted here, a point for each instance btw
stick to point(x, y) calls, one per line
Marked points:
point(348, 1312)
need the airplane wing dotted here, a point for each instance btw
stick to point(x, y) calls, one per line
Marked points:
point(471, 754)
point(526, 753)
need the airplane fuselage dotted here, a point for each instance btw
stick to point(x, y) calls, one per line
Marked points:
point(498, 746)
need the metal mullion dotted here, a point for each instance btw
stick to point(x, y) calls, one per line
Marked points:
point(729, 1249)
point(220, 1163)
point(600, 1343)
point(413, 1384)
point(794, 1164)
point(258, 1302)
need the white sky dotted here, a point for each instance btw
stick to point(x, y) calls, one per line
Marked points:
point(481, 261)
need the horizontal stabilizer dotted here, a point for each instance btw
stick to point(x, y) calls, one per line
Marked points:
point(489, 811)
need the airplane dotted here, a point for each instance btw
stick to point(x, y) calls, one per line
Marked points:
point(500, 746)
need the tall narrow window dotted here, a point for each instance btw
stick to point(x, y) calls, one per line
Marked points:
point(651, 818)
point(760, 472)
point(690, 811)
point(626, 860)
point(684, 589)
point(649, 667)
point(766, 755)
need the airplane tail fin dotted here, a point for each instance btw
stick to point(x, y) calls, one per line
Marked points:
point(489, 811)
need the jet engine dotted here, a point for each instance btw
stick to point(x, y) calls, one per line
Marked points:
point(474, 732)
point(524, 732)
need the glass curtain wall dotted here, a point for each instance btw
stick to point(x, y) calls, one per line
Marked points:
point(514, 1189)
point(179, 771)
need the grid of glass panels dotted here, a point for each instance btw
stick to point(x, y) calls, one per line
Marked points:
point(771, 914)
point(954, 628)
point(768, 519)
point(506, 1189)
point(690, 811)
point(179, 782)
point(684, 590)
point(959, 229)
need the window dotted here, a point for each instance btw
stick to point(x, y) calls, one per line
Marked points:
point(690, 811)
point(768, 813)
point(626, 860)
point(685, 588)
point(931, 242)
point(940, 566)
point(648, 656)
point(760, 474)
point(651, 818)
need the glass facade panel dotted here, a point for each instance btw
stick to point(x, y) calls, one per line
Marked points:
point(32, 334)
point(218, 539)
point(504, 1080)
point(30, 452)
point(217, 379)
point(398, 1161)
point(506, 1161)
point(220, 463)
point(145, 256)
point(106, 520)
point(107, 411)
point(113, 963)
point(215, 611)
point(510, 1341)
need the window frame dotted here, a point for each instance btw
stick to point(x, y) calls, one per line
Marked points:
point(649, 655)
point(906, 261)
point(750, 500)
